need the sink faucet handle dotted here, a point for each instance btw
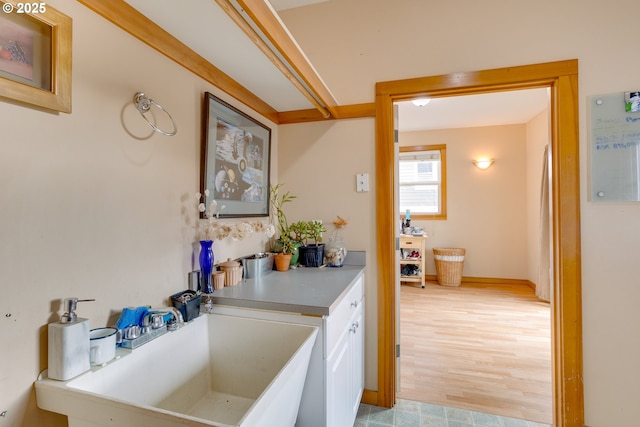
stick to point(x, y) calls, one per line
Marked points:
point(146, 324)
point(157, 320)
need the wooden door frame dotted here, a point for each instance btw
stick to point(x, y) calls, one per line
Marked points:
point(566, 314)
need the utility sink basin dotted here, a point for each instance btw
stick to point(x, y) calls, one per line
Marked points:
point(216, 370)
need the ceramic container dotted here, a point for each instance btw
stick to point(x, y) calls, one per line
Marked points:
point(218, 279)
point(233, 272)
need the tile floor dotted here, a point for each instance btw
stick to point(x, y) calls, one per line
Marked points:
point(414, 414)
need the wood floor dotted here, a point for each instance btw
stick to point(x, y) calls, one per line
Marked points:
point(479, 347)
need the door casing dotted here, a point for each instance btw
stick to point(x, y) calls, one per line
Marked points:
point(566, 315)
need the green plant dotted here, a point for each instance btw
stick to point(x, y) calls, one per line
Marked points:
point(287, 244)
point(315, 230)
point(298, 231)
point(278, 202)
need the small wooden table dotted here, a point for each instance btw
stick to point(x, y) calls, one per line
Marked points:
point(408, 245)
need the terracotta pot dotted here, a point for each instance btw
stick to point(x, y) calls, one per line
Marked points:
point(282, 261)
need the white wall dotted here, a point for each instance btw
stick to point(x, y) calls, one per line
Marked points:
point(88, 211)
point(486, 209)
point(395, 40)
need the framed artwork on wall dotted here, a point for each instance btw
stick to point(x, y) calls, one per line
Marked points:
point(35, 55)
point(234, 160)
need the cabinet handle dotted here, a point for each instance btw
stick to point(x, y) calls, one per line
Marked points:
point(354, 327)
point(354, 304)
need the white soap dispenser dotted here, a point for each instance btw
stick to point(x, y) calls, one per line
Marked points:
point(69, 344)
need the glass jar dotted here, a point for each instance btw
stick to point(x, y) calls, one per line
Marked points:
point(335, 251)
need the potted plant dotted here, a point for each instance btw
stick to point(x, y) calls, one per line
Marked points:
point(283, 258)
point(313, 253)
point(298, 231)
point(284, 243)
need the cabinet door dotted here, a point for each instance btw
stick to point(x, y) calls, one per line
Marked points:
point(356, 350)
point(338, 384)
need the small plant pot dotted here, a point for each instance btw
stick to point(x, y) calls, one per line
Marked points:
point(282, 261)
point(296, 250)
point(312, 255)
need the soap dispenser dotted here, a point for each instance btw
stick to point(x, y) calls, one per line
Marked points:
point(69, 344)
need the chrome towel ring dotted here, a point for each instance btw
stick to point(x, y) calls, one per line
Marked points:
point(143, 105)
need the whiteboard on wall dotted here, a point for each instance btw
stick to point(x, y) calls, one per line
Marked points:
point(614, 148)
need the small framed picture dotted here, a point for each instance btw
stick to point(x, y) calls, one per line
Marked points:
point(35, 55)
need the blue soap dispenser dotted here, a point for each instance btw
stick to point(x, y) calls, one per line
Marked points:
point(68, 344)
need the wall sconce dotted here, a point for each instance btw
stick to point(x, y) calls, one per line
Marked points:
point(483, 163)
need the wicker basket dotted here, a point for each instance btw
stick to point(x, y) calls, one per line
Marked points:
point(449, 263)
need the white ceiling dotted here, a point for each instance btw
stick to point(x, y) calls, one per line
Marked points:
point(491, 109)
point(290, 4)
point(207, 29)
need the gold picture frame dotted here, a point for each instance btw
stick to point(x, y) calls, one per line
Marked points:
point(35, 55)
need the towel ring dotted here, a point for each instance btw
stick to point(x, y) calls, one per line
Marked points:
point(143, 105)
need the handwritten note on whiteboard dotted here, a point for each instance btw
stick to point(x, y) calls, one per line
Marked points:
point(614, 149)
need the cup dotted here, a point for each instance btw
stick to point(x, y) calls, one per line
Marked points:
point(218, 279)
point(102, 347)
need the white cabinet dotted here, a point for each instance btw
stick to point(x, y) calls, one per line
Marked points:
point(357, 364)
point(345, 376)
point(335, 378)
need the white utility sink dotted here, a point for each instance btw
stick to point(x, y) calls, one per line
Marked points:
point(215, 371)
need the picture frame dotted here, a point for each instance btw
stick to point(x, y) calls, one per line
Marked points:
point(35, 58)
point(235, 161)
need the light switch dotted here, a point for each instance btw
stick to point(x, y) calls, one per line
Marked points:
point(362, 182)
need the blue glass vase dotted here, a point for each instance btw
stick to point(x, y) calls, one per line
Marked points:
point(206, 266)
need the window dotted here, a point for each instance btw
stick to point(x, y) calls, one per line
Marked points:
point(422, 181)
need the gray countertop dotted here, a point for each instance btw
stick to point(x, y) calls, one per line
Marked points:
point(314, 291)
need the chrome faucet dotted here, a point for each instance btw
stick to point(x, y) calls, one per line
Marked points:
point(155, 318)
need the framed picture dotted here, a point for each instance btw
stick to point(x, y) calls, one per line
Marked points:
point(234, 161)
point(35, 55)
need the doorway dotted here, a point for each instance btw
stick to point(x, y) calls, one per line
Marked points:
point(562, 80)
point(450, 351)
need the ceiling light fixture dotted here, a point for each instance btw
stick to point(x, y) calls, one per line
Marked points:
point(421, 102)
point(483, 163)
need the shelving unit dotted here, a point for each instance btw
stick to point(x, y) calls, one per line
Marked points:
point(409, 244)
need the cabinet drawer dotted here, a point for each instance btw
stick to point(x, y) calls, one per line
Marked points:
point(408, 242)
point(338, 322)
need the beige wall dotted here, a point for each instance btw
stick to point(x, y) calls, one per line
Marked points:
point(412, 38)
point(486, 209)
point(318, 164)
point(88, 211)
point(69, 183)
point(537, 137)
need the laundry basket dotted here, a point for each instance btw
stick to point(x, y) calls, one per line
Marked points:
point(449, 263)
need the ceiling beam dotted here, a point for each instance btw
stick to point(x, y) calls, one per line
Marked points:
point(341, 112)
point(133, 22)
point(267, 19)
point(281, 63)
